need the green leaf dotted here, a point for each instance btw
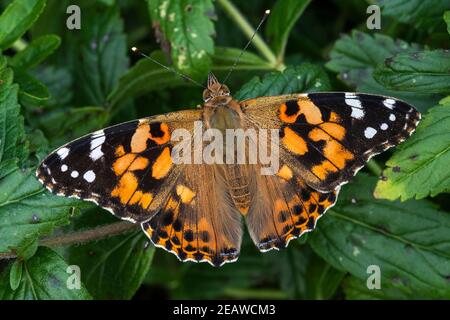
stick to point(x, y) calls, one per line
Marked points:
point(447, 20)
point(200, 281)
point(421, 14)
point(409, 241)
point(423, 71)
point(65, 124)
point(419, 167)
point(224, 58)
point(281, 21)
point(113, 268)
point(28, 212)
point(186, 25)
point(31, 89)
point(58, 81)
point(146, 76)
point(304, 78)
point(13, 148)
point(103, 53)
point(36, 52)
point(18, 16)
point(44, 278)
point(143, 77)
point(304, 275)
point(15, 275)
point(356, 289)
point(355, 57)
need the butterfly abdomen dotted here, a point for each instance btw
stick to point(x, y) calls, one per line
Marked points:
point(238, 184)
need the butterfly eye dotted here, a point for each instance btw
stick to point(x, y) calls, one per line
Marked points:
point(207, 95)
point(225, 91)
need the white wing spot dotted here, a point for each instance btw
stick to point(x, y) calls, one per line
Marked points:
point(389, 103)
point(357, 113)
point(96, 148)
point(384, 126)
point(392, 117)
point(89, 176)
point(64, 168)
point(96, 154)
point(63, 153)
point(74, 174)
point(355, 103)
point(370, 132)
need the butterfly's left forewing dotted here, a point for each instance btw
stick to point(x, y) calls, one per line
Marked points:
point(127, 169)
point(327, 137)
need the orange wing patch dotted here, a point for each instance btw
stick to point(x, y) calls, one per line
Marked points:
point(294, 142)
point(285, 172)
point(157, 132)
point(296, 216)
point(186, 195)
point(334, 151)
point(145, 137)
point(162, 165)
point(291, 110)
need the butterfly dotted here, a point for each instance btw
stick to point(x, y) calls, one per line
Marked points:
point(196, 210)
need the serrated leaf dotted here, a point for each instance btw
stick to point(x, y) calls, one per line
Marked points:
point(143, 77)
point(282, 19)
point(187, 26)
point(103, 53)
point(423, 71)
point(31, 89)
point(146, 76)
point(355, 57)
point(36, 52)
point(44, 277)
point(113, 268)
point(13, 148)
point(409, 241)
point(304, 78)
point(65, 124)
point(419, 167)
point(58, 81)
point(15, 20)
point(28, 212)
point(356, 289)
point(421, 14)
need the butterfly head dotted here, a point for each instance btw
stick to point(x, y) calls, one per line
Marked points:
point(216, 94)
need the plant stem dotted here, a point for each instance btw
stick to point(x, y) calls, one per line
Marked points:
point(373, 166)
point(105, 231)
point(248, 30)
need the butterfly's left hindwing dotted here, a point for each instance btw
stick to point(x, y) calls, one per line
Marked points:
point(127, 169)
point(328, 137)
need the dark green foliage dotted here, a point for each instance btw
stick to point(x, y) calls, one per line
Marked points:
point(58, 84)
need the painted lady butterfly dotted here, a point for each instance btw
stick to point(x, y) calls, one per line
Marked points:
point(195, 210)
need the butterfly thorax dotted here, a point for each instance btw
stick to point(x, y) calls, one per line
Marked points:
point(222, 112)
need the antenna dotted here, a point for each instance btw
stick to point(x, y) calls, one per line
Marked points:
point(137, 51)
point(266, 14)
